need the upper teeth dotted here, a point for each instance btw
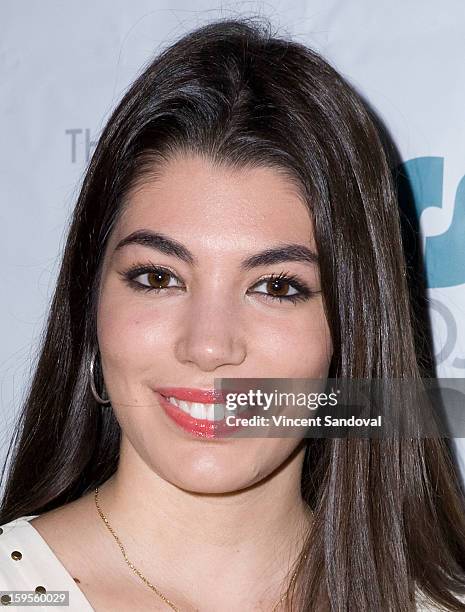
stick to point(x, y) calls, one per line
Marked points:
point(198, 410)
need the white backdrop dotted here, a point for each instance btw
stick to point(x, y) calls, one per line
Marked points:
point(65, 65)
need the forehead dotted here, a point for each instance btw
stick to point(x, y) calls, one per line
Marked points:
point(193, 198)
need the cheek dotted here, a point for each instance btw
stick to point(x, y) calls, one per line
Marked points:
point(133, 336)
point(299, 346)
point(129, 330)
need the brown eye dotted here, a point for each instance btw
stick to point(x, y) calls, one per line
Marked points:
point(159, 279)
point(278, 287)
point(148, 278)
point(284, 288)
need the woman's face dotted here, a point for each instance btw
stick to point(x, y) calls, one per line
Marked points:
point(199, 315)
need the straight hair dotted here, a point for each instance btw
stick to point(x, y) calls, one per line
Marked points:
point(388, 514)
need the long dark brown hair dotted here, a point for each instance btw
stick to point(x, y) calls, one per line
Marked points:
point(388, 514)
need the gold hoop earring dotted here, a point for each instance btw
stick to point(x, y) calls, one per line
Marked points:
point(97, 397)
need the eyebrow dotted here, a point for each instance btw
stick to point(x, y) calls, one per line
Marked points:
point(169, 246)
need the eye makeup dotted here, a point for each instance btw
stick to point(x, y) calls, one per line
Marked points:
point(154, 275)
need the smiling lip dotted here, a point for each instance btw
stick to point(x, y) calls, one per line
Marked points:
point(202, 428)
point(190, 394)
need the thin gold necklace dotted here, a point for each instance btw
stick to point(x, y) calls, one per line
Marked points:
point(141, 575)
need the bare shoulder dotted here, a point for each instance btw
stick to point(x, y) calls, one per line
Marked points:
point(65, 521)
point(71, 531)
point(79, 540)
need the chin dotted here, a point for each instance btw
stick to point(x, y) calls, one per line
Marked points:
point(208, 474)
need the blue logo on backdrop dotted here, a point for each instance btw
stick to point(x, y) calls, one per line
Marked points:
point(421, 186)
point(445, 253)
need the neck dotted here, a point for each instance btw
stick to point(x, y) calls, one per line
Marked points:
point(255, 534)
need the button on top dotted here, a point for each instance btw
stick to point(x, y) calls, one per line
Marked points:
point(16, 555)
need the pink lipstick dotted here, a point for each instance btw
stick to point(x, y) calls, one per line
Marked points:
point(187, 413)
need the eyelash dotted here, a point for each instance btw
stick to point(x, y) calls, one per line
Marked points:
point(138, 269)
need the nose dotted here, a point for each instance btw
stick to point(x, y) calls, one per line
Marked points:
point(211, 335)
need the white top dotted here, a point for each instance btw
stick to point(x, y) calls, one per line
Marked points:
point(37, 565)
